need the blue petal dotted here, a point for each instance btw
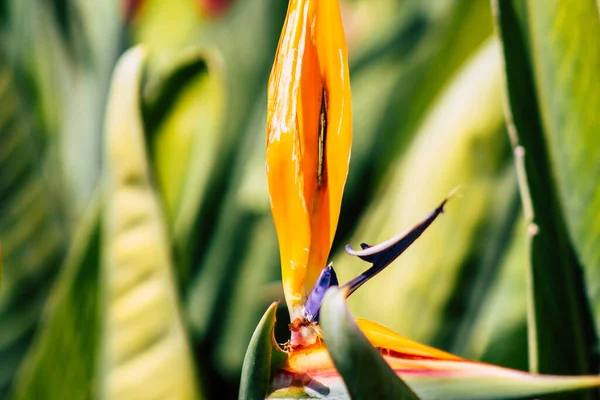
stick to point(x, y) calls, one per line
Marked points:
point(327, 279)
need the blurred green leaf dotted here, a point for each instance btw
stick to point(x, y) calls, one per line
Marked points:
point(68, 335)
point(153, 25)
point(221, 290)
point(32, 232)
point(65, 81)
point(227, 253)
point(396, 79)
point(242, 312)
point(561, 330)
point(256, 372)
point(185, 118)
point(84, 80)
point(461, 141)
point(499, 334)
point(365, 372)
point(144, 346)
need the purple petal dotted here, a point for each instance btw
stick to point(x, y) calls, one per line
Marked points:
point(327, 279)
point(383, 254)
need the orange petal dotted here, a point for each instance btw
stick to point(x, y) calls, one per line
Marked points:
point(430, 372)
point(395, 347)
point(285, 154)
point(305, 180)
point(333, 60)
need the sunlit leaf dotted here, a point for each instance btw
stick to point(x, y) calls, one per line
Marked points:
point(144, 346)
point(153, 24)
point(185, 120)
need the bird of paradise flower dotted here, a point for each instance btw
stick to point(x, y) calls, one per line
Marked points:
point(308, 151)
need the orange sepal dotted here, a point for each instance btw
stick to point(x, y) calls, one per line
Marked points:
point(306, 184)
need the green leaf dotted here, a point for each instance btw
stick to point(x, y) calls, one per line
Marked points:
point(365, 372)
point(66, 81)
point(564, 39)
point(500, 330)
point(461, 141)
point(395, 82)
point(184, 118)
point(239, 200)
point(561, 330)
point(144, 351)
point(249, 294)
point(258, 362)
point(32, 231)
point(68, 334)
point(153, 25)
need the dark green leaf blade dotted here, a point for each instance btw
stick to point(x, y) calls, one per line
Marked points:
point(561, 333)
point(365, 372)
point(256, 371)
point(68, 334)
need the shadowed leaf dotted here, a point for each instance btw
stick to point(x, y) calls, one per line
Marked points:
point(365, 372)
point(256, 371)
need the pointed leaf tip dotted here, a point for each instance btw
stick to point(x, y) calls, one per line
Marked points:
point(256, 370)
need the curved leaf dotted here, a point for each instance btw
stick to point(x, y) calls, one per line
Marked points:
point(256, 371)
point(185, 120)
point(144, 346)
point(365, 372)
point(153, 25)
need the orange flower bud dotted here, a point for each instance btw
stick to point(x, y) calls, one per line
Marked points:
point(309, 135)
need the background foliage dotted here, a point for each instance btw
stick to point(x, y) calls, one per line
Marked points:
point(138, 246)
